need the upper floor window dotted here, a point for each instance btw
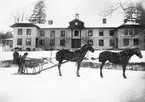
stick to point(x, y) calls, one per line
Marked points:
point(28, 41)
point(101, 42)
point(125, 41)
point(112, 42)
point(111, 32)
point(136, 41)
point(62, 42)
point(76, 33)
point(19, 41)
point(28, 32)
point(42, 33)
point(52, 33)
point(137, 30)
point(90, 32)
point(20, 31)
point(101, 33)
point(131, 31)
point(126, 31)
point(62, 33)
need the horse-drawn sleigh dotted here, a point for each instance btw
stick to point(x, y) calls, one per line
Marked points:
point(121, 58)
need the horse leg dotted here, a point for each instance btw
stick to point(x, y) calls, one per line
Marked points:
point(102, 64)
point(59, 65)
point(78, 68)
point(124, 69)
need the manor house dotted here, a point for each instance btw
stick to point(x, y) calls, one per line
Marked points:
point(29, 36)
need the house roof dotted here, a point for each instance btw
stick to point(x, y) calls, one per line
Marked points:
point(52, 26)
point(129, 25)
point(24, 24)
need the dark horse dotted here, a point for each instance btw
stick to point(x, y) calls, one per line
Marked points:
point(74, 56)
point(121, 58)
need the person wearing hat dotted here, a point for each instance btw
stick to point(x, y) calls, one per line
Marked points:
point(16, 57)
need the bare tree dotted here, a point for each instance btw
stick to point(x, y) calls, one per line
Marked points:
point(19, 17)
point(132, 11)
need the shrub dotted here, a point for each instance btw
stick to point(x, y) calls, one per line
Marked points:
point(130, 66)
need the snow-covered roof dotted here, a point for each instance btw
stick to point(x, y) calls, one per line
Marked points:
point(86, 26)
point(51, 26)
point(129, 24)
point(9, 39)
point(24, 24)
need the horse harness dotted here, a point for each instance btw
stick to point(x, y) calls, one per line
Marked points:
point(122, 57)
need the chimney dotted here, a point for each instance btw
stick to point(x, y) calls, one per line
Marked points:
point(50, 22)
point(104, 20)
point(125, 20)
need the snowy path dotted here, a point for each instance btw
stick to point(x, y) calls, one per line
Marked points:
point(49, 87)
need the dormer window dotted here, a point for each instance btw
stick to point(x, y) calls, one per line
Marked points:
point(76, 23)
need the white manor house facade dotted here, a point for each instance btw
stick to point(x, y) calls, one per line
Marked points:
point(29, 36)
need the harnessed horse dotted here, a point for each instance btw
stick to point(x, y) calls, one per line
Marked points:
point(74, 56)
point(121, 58)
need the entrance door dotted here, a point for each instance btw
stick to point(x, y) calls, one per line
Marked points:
point(76, 43)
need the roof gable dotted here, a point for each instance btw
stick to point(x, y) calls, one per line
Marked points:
point(76, 24)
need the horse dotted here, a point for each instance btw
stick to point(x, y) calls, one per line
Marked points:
point(121, 58)
point(73, 56)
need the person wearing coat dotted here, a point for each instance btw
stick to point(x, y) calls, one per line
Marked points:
point(16, 57)
point(22, 63)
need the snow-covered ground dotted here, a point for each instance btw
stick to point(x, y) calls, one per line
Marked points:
point(48, 86)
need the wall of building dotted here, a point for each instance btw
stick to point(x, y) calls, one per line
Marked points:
point(121, 36)
point(34, 34)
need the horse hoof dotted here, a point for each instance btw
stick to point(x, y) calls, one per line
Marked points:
point(101, 76)
point(125, 77)
point(78, 75)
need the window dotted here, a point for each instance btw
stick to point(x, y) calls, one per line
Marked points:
point(42, 33)
point(62, 42)
point(52, 42)
point(90, 42)
point(52, 33)
point(137, 30)
point(101, 33)
point(28, 41)
point(111, 32)
point(101, 42)
point(136, 41)
point(126, 31)
point(131, 31)
point(42, 42)
point(90, 32)
point(76, 33)
point(126, 42)
point(20, 31)
point(112, 42)
point(19, 41)
point(28, 32)
point(62, 33)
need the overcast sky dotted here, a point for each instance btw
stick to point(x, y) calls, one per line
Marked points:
point(60, 11)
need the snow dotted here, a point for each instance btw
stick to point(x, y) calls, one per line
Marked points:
point(48, 86)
